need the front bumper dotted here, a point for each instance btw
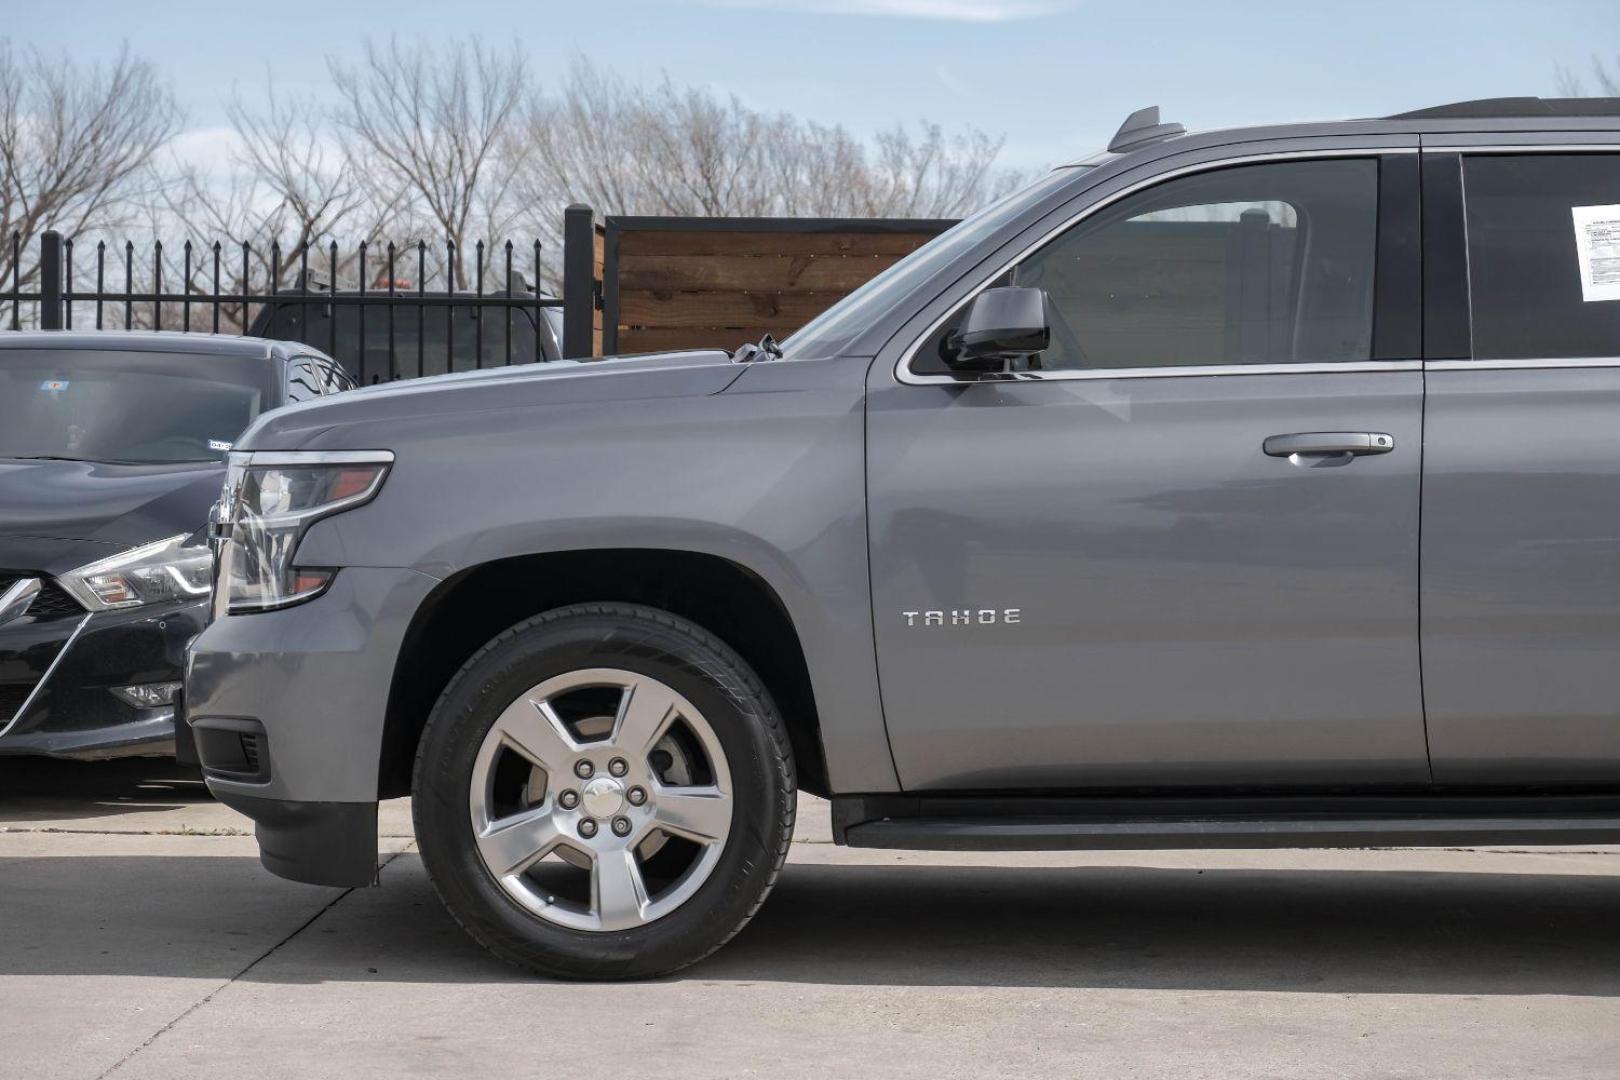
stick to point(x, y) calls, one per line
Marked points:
point(57, 676)
point(288, 709)
point(332, 843)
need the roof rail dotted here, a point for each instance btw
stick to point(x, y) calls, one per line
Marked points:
point(1484, 108)
point(1140, 127)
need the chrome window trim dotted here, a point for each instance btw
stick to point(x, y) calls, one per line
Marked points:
point(50, 669)
point(902, 368)
point(1519, 148)
point(1523, 365)
point(1197, 371)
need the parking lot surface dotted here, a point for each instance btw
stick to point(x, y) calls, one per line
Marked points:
point(140, 938)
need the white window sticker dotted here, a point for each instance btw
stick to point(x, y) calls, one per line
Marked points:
point(1597, 249)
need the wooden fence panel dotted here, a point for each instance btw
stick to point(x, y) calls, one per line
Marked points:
point(689, 283)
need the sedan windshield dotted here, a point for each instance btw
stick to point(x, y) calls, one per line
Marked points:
point(127, 407)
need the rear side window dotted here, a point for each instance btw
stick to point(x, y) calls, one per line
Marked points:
point(1527, 295)
point(335, 379)
point(304, 382)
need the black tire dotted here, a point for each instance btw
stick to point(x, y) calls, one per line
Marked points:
point(639, 639)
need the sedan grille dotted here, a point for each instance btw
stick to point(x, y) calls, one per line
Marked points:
point(52, 601)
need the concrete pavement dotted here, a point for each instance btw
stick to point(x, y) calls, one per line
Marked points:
point(139, 938)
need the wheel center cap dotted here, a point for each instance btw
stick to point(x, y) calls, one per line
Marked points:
point(603, 797)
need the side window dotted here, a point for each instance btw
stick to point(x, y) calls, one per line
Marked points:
point(1544, 255)
point(303, 381)
point(335, 378)
point(1252, 264)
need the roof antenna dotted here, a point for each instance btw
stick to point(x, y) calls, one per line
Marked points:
point(1140, 127)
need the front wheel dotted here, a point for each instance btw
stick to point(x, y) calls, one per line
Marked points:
point(604, 792)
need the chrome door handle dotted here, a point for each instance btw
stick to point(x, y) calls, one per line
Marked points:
point(1326, 443)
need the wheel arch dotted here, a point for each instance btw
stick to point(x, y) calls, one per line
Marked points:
point(469, 608)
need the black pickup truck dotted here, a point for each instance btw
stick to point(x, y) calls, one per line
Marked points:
point(381, 336)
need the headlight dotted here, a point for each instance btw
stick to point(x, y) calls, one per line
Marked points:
point(155, 574)
point(270, 500)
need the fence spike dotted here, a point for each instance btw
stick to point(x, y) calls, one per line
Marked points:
point(157, 284)
point(331, 288)
point(247, 290)
point(216, 286)
point(67, 282)
point(101, 278)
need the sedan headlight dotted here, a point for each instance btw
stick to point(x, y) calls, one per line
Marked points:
point(270, 500)
point(158, 573)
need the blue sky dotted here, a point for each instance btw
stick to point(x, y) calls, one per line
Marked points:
point(1055, 77)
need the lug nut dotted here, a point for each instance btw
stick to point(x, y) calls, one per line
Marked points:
point(618, 766)
point(637, 796)
point(587, 828)
point(583, 769)
point(568, 800)
point(621, 826)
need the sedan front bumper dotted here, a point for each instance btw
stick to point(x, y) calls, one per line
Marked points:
point(58, 674)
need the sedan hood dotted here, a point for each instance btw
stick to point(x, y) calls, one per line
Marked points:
point(559, 382)
point(55, 515)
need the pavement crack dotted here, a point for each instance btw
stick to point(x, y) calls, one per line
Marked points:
point(255, 962)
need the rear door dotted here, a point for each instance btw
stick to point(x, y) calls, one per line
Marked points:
point(1521, 473)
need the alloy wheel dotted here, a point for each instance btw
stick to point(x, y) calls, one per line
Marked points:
point(600, 800)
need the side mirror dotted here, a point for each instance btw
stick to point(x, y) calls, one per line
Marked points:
point(999, 325)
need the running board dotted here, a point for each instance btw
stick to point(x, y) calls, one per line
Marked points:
point(1528, 822)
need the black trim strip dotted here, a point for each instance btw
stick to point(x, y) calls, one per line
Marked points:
point(1398, 286)
point(1447, 334)
point(1037, 822)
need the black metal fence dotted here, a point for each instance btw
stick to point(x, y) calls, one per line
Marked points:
point(489, 308)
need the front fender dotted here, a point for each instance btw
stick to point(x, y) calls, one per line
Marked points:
point(768, 475)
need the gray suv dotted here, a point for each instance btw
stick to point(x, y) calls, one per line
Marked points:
point(1254, 488)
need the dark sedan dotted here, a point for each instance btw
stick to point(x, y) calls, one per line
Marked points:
point(112, 449)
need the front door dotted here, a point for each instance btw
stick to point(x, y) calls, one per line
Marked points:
point(1091, 573)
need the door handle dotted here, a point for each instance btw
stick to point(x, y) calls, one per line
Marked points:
point(1329, 443)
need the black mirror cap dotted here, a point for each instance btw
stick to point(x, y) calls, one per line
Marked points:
point(999, 325)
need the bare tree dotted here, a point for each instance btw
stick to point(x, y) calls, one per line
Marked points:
point(76, 145)
point(932, 175)
point(289, 191)
point(665, 149)
point(428, 126)
point(1606, 83)
point(430, 145)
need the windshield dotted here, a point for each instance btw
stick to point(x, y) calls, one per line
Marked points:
point(831, 331)
point(127, 407)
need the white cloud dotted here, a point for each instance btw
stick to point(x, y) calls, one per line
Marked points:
point(210, 148)
point(984, 11)
point(951, 81)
